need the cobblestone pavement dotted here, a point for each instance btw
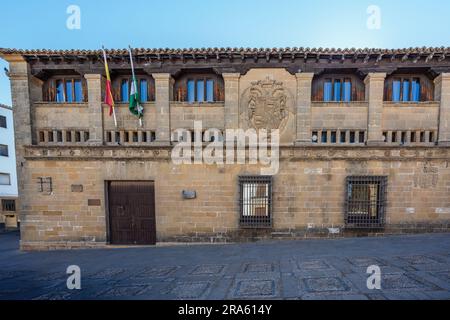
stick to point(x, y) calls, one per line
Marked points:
point(413, 267)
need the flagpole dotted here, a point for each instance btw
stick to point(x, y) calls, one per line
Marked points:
point(134, 78)
point(109, 78)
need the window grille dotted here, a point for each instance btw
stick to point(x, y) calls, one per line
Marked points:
point(255, 201)
point(8, 205)
point(365, 202)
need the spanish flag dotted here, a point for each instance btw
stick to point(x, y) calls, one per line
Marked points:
point(109, 100)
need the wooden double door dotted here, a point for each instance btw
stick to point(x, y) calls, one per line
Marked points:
point(132, 212)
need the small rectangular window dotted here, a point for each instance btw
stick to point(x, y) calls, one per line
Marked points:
point(342, 138)
point(209, 90)
point(50, 136)
point(124, 91)
point(41, 136)
point(403, 137)
point(405, 91)
point(413, 137)
point(59, 136)
point(143, 90)
point(422, 136)
point(8, 205)
point(352, 136)
point(315, 137)
point(347, 94)
point(78, 91)
point(365, 201)
point(200, 90)
point(327, 90)
point(333, 136)
point(324, 138)
point(3, 122)
point(191, 91)
point(60, 96)
point(337, 90)
point(431, 137)
point(394, 136)
point(396, 85)
point(3, 150)
point(255, 201)
point(68, 136)
point(415, 90)
point(69, 92)
point(361, 137)
point(135, 136)
point(77, 136)
point(5, 179)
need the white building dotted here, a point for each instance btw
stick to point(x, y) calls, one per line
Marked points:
point(8, 175)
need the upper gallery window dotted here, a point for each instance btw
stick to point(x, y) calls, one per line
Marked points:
point(65, 90)
point(206, 87)
point(337, 88)
point(145, 87)
point(408, 88)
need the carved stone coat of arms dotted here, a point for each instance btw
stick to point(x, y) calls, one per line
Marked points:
point(266, 104)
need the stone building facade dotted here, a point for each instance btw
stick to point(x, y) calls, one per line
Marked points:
point(364, 144)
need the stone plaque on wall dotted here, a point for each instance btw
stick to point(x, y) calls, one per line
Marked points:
point(266, 104)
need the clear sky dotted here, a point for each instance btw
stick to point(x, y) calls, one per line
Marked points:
point(31, 24)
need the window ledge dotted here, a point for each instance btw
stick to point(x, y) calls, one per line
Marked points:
point(197, 104)
point(49, 104)
point(126, 104)
point(340, 103)
point(411, 103)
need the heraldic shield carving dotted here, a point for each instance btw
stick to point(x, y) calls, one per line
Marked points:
point(266, 105)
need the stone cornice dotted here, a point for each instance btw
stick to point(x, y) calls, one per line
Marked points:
point(289, 153)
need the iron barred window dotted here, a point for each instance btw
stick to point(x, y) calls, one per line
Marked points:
point(255, 201)
point(365, 201)
point(8, 205)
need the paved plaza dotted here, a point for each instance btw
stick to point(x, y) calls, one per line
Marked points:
point(412, 267)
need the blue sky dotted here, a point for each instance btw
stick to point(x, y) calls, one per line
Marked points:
point(212, 23)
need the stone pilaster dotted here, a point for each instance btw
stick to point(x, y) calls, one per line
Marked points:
point(94, 87)
point(303, 108)
point(163, 89)
point(374, 95)
point(442, 94)
point(21, 104)
point(231, 81)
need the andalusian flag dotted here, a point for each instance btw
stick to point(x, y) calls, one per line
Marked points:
point(135, 105)
point(109, 100)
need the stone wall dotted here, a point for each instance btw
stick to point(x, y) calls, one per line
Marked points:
point(308, 194)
